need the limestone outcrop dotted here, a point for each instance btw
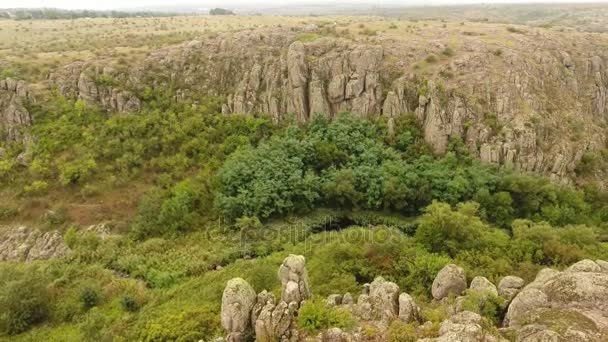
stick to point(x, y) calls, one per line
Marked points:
point(95, 84)
point(14, 116)
point(568, 305)
point(527, 108)
point(21, 243)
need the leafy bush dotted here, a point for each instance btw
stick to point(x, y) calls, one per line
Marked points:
point(315, 315)
point(24, 303)
point(399, 331)
point(89, 297)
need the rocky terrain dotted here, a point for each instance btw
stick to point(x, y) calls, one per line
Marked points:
point(13, 114)
point(531, 99)
point(556, 306)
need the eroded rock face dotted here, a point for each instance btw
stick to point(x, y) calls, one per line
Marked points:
point(509, 287)
point(24, 244)
point(483, 285)
point(451, 279)
point(294, 279)
point(238, 300)
point(384, 296)
point(409, 311)
point(97, 85)
point(13, 114)
point(569, 305)
point(465, 326)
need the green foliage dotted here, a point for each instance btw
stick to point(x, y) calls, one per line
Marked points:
point(449, 52)
point(431, 59)
point(443, 230)
point(487, 305)
point(399, 331)
point(89, 297)
point(220, 11)
point(24, 302)
point(315, 315)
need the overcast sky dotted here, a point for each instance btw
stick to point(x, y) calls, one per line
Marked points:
point(117, 4)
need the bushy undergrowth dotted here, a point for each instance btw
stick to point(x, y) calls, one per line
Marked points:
point(282, 190)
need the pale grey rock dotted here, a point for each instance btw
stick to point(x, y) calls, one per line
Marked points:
point(409, 311)
point(526, 300)
point(294, 279)
point(384, 296)
point(585, 266)
point(238, 300)
point(21, 243)
point(451, 279)
point(334, 300)
point(364, 308)
point(603, 264)
point(274, 322)
point(509, 287)
point(483, 285)
point(347, 299)
point(14, 116)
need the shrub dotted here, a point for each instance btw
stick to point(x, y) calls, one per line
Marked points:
point(399, 331)
point(129, 303)
point(25, 302)
point(315, 315)
point(431, 59)
point(89, 297)
point(448, 52)
point(94, 326)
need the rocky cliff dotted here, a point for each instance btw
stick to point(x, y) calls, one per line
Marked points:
point(532, 102)
point(557, 306)
point(13, 114)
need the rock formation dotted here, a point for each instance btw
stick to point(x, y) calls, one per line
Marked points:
point(237, 302)
point(95, 85)
point(450, 280)
point(556, 306)
point(569, 305)
point(23, 244)
point(526, 109)
point(13, 114)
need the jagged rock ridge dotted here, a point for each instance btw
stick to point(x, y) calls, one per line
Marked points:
point(539, 106)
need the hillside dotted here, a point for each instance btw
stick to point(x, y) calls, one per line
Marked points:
point(146, 162)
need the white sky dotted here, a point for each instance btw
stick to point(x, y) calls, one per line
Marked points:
point(117, 4)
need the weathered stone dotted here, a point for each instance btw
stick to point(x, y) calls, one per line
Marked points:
point(384, 297)
point(238, 300)
point(585, 266)
point(408, 309)
point(347, 299)
point(509, 287)
point(294, 279)
point(483, 285)
point(334, 300)
point(451, 279)
point(526, 300)
point(23, 244)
